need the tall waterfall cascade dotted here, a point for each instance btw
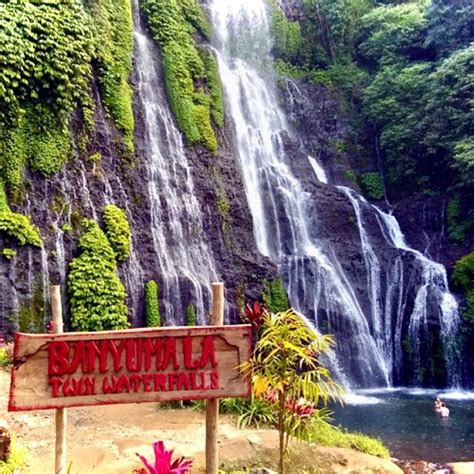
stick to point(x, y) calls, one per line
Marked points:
point(184, 257)
point(369, 336)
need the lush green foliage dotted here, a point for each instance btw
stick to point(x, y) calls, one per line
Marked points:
point(152, 309)
point(463, 278)
point(118, 231)
point(372, 184)
point(114, 35)
point(274, 296)
point(97, 297)
point(406, 72)
point(45, 52)
point(17, 226)
point(286, 34)
point(286, 371)
point(190, 315)
point(191, 77)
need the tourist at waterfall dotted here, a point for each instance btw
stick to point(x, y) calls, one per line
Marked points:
point(444, 410)
point(441, 408)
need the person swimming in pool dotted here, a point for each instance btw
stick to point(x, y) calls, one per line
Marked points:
point(444, 410)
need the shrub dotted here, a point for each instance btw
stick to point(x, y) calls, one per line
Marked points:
point(118, 231)
point(286, 372)
point(372, 184)
point(97, 297)
point(463, 278)
point(190, 315)
point(152, 309)
point(16, 460)
point(274, 295)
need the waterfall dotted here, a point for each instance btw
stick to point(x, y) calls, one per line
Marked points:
point(369, 340)
point(186, 264)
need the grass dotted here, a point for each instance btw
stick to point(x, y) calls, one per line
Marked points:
point(332, 436)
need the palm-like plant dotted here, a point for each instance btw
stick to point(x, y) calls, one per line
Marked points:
point(286, 369)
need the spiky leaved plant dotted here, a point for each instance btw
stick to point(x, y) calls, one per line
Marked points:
point(164, 463)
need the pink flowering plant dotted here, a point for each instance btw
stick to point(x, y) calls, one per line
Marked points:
point(164, 463)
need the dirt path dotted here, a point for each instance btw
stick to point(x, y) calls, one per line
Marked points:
point(105, 439)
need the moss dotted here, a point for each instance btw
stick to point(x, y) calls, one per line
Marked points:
point(152, 309)
point(190, 315)
point(274, 295)
point(97, 296)
point(114, 33)
point(8, 253)
point(32, 312)
point(350, 176)
point(188, 74)
point(118, 231)
point(215, 88)
point(208, 137)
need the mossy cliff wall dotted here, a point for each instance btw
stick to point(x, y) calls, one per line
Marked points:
point(71, 148)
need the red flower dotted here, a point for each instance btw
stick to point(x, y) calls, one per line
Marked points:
point(163, 464)
point(255, 314)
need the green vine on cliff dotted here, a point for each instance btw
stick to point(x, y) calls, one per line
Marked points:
point(45, 74)
point(191, 76)
point(97, 296)
point(114, 36)
point(118, 231)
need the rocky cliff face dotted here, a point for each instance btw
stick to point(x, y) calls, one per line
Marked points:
point(82, 188)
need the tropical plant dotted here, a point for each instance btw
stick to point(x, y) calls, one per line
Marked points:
point(286, 371)
point(164, 463)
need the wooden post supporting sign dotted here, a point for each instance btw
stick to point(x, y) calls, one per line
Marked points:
point(212, 409)
point(63, 370)
point(61, 414)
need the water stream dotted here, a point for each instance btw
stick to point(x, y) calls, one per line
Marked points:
point(186, 263)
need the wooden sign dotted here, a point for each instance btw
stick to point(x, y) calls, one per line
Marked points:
point(133, 366)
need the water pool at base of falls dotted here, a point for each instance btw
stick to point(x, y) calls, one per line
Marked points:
point(405, 421)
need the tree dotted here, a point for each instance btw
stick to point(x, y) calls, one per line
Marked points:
point(286, 371)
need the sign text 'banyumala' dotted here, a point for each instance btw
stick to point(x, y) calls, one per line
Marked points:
point(158, 364)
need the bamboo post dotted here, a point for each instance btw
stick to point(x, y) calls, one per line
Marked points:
point(212, 408)
point(61, 415)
